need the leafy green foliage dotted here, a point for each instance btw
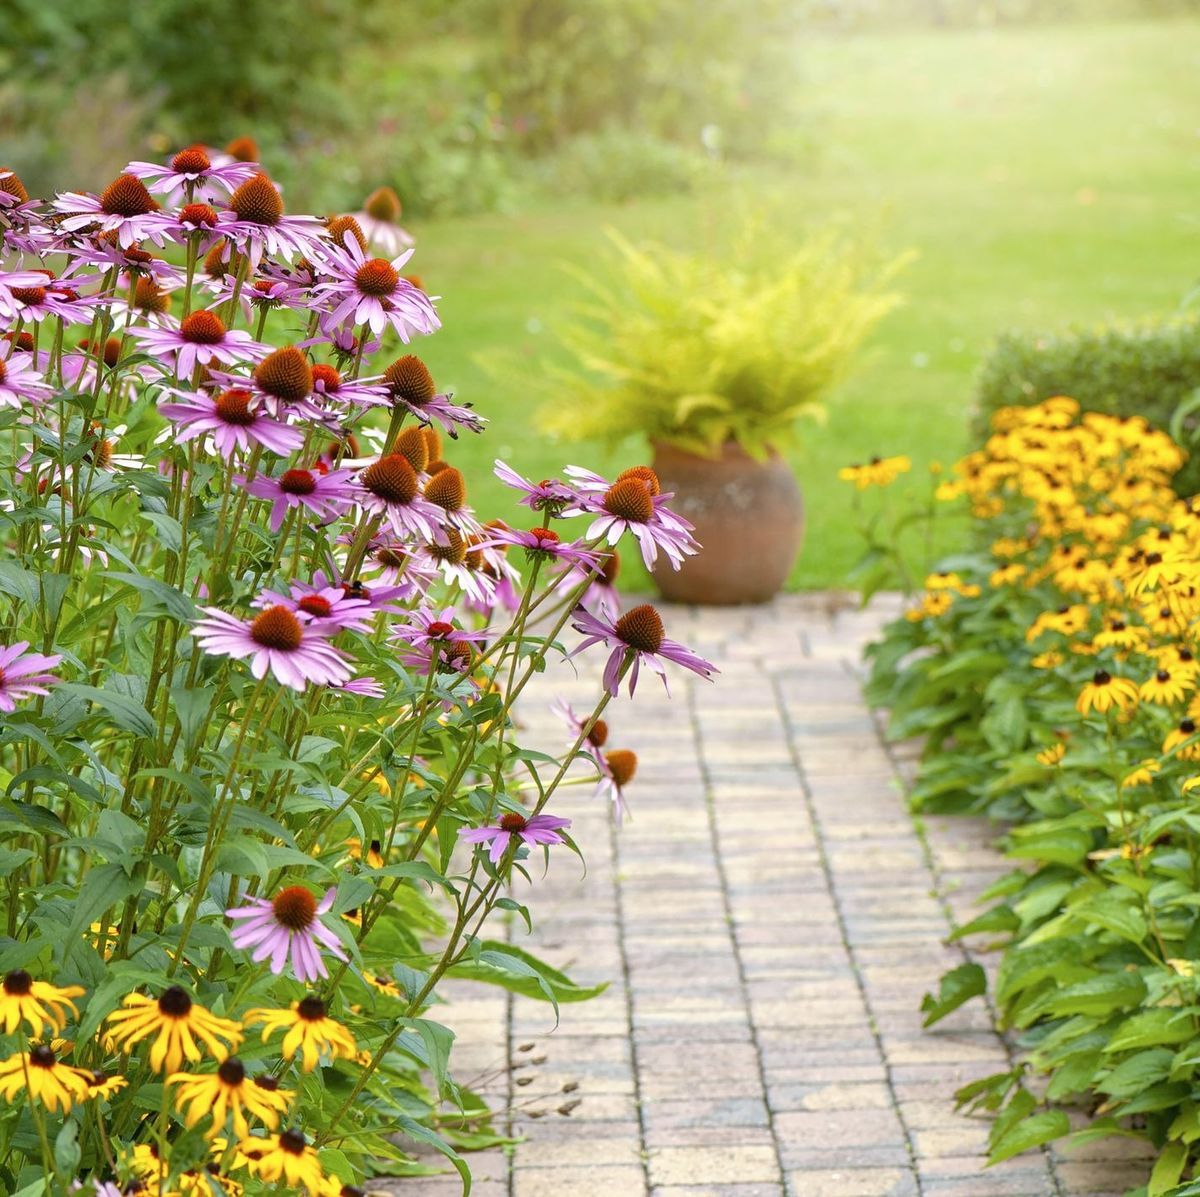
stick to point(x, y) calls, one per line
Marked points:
point(697, 350)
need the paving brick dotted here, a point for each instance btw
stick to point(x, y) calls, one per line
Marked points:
point(768, 922)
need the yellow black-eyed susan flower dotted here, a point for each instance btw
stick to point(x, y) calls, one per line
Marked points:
point(1007, 575)
point(1052, 755)
point(309, 1031)
point(42, 1005)
point(373, 855)
point(879, 471)
point(228, 1091)
point(1105, 691)
point(1141, 774)
point(176, 1022)
point(285, 1157)
point(101, 1085)
point(1177, 741)
point(39, 1073)
point(1164, 688)
point(384, 984)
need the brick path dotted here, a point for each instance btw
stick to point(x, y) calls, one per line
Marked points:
point(769, 921)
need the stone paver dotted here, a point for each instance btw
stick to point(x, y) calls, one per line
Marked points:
point(767, 921)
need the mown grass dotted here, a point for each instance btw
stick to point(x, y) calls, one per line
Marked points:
point(1043, 175)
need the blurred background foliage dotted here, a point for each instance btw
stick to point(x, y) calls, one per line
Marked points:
point(1041, 156)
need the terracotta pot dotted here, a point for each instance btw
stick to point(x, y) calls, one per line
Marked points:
point(749, 519)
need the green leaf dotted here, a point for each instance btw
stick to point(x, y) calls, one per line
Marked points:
point(1139, 1072)
point(521, 972)
point(1099, 996)
point(999, 918)
point(1153, 1028)
point(1115, 912)
point(127, 714)
point(102, 888)
point(1168, 1168)
point(1056, 845)
point(957, 986)
point(1031, 1131)
point(67, 1154)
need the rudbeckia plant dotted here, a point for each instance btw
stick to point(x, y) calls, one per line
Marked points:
point(263, 787)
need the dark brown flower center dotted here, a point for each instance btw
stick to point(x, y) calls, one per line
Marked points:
point(42, 1056)
point(1101, 677)
point(202, 328)
point(456, 656)
point(408, 378)
point(268, 1082)
point(641, 628)
point(1188, 727)
point(629, 500)
point(198, 214)
point(513, 822)
point(643, 474)
point(233, 407)
point(192, 161)
point(439, 629)
point(376, 277)
point(295, 908)
point(29, 295)
point(149, 298)
point(328, 376)
point(622, 764)
point(232, 1072)
point(342, 227)
point(610, 568)
point(285, 374)
point(175, 1002)
point(297, 482)
point(454, 551)
point(311, 1009)
point(243, 149)
point(447, 489)
point(12, 185)
point(18, 983)
point(293, 1142)
point(1162, 675)
point(391, 478)
point(314, 604)
point(3, 372)
point(390, 558)
point(257, 201)
point(277, 628)
point(126, 195)
point(412, 444)
point(598, 736)
point(546, 537)
point(383, 204)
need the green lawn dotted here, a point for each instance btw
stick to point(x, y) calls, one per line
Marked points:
point(1043, 175)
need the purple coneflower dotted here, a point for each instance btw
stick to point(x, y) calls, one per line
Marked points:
point(287, 926)
point(23, 674)
point(330, 386)
point(389, 488)
point(372, 292)
point(512, 827)
point(124, 207)
point(327, 608)
point(454, 561)
point(54, 298)
point(254, 224)
point(426, 626)
point(21, 384)
point(17, 281)
point(231, 421)
point(548, 495)
point(378, 221)
point(200, 339)
point(636, 637)
point(327, 494)
point(543, 544)
point(617, 769)
point(195, 222)
point(193, 167)
point(277, 640)
point(633, 503)
point(410, 384)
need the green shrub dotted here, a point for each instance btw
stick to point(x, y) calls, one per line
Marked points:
point(1147, 368)
point(617, 164)
point(675, 69)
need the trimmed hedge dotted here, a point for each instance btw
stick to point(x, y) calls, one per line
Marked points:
point(1143, 368)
